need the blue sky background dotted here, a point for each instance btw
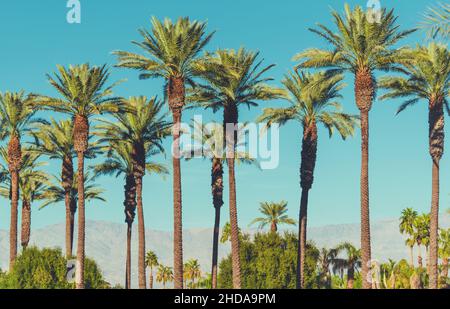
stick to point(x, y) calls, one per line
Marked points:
point(36, 37)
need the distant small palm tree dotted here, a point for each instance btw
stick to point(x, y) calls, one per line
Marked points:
point(164, 274)
point(444, 250)
point(421, 234)
point(437, 21)
point(406, 226)
point(326, 258)
point(151, 260)
point(274, 215)
point(17, 112)
point(192, 272)
point(351, 261)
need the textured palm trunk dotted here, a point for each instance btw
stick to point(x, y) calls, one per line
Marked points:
point(230, 122)
point(364, 94)
point(350, 278)
point(176, 97)
point(26, 223)
point(411, 256)
point(80, 138)
point(150, 278)
point(308, 163)
point(273, 227)
point(141, 235)
point(130, 208)
point(14, 164)
point(419, 256)
point(436, 140)
point(79, 279)
point(445, 268)
point(217, 193)
point(128, 259)
point(67, 182)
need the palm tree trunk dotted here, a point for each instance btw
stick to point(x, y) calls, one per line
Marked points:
point(141, 235)
point(445, 268)
point(176, 98)
point(150, 278)
point(128, 259)
point(365, 215)
point(26, 224)
point(81, 223)
point(411, 255)
point(307, 166)
point(350, 279)
point(69, 223)
point(13, 224)
point(419, 257)
point(217, 192)
point(436, 148)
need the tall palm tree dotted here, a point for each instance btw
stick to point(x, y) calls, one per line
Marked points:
point(312, 99)
point(55, 140)
point(351, 262)
point(360, 47)
point(151, 260)
point(428, 79)
point(437, 21)
point(274, 214)
point(170, 50)
point(16, 115)
point(234, 79)
point(32, 184)
point(210, 137)
point(406, 226)
point(143, 127)
point(83, 94)
point(164, 274)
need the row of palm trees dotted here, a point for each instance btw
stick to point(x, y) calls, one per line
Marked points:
point(224, 80)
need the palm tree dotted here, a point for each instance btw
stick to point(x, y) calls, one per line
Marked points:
point(444, 251)
point(421, 233)
point(151, 260)
point(312, 101)
point(326, 258)
point(210, 138)
point(55, 140)
point(406, 226)
point(389, 273)
point(83, 95)
point(428, 78)
point(32, 184)
point(171, 49)
point(164, 274)
point(360, 47)
point(437, 21)
point(274, 214)
point(351, 262)
point(192, 271)
point(16, 115)
point(234, 78)
point(143, 127)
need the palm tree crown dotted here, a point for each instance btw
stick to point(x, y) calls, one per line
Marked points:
point(274, 214)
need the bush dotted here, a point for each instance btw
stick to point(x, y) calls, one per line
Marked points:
point(46, 269)
point(270, 262)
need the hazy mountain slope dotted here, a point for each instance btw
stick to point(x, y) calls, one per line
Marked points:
point(105, 243)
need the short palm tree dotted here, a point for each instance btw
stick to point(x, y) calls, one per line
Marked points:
point(326, 258)
point(164, 274)
point(83, 94)
point(170, 50)
point(437, 21)
point(210, 138)
point(427, 79)
point(274, 215)
point(151, 260)
point(192, 271)
point(16, 115)
point(444, 250)
point(351, 261)
point(406, 226)
point(55, 140)
point(233, 79)
point(142, 127)
point(421, 234)
point(32, 184)
point(360, 47)
point(312, 101)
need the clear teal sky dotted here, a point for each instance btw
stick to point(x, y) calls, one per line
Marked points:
point(35, 37)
